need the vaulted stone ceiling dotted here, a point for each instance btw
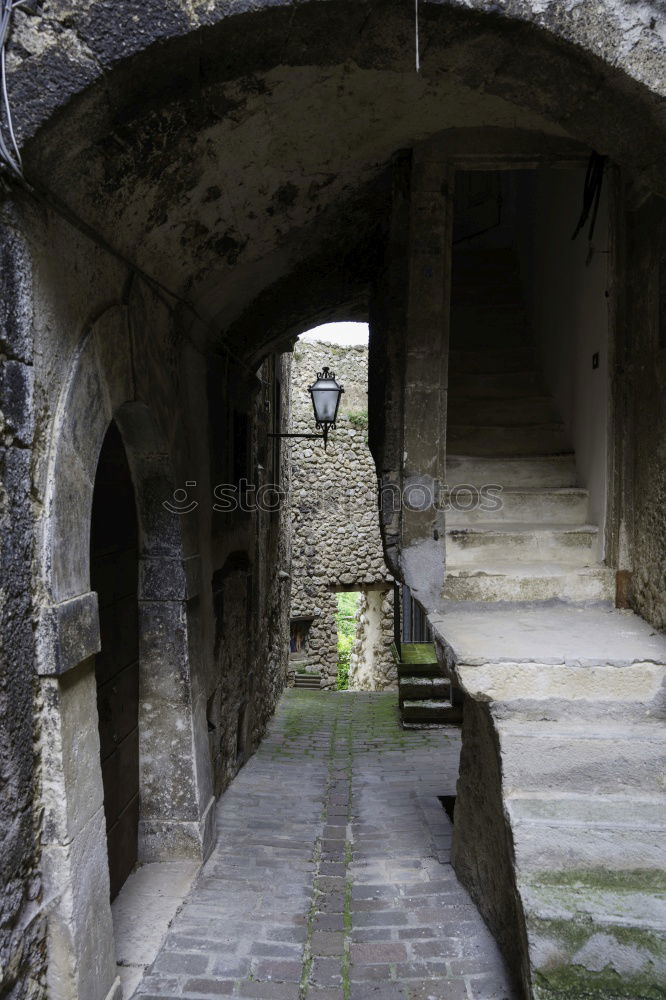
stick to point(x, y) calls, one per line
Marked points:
point(224, 159)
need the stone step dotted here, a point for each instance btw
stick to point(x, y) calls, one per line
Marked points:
point(496, 361)
point(530, 583)
point(497, 324)
point(500, 412)
point(494, 303)
point(593, 757)
point(492, 334)
point(432, 670)
point(312, 681)
point(420, 687)
point(480, 339)
point(425, 709)
point(453, 717)
point(418, 653)
point(549, 507)
point(597, 930)
point(428, 713)
point(493, 440)
point(530, 471)
point(555, 832)
point(482, 283)
point(480, 260)
point(490, 547)
point(465, 385)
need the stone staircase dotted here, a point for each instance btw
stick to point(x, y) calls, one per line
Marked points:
point(568, 841)
point(424, 692)
point(560, 824)
point(532, 539)
point(308, 680)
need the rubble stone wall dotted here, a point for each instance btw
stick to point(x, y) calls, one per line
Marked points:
point(336, 543)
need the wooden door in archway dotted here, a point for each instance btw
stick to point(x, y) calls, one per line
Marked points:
point(114, 575)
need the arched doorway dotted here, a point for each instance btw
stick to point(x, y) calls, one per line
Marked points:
point(114, 576)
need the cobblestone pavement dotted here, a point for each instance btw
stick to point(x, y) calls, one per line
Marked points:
point(330, 877)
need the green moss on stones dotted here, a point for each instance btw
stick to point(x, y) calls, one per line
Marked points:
point(418, 652)
point(580, 891)
point(573, 982)
point(602, 879)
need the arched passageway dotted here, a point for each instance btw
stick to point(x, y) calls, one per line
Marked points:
point(204, 181)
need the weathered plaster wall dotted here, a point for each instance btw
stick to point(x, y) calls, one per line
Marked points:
point(569, 299)
point(640, 387)
point(336, 538)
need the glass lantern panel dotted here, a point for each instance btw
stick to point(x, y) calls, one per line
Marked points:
point(325, 396)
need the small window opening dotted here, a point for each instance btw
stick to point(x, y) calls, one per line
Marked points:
point(415, 627)
point(298, 640)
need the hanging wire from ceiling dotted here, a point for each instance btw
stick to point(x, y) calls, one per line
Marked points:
point(416, 36)
point(10, 156)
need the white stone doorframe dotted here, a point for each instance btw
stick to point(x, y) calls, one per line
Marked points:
point(176, 815)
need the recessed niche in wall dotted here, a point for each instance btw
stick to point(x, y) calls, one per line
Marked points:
point(298, 645)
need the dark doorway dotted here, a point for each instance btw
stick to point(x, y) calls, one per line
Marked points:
point(415, 627)
point(114, 575)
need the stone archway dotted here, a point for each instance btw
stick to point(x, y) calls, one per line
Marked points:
point(114, 576)
point(176, 816)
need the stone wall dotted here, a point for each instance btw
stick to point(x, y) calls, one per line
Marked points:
point(336, 541)
point(213, 586)
point(482, 850)
point(22, 925)
point(250, 584)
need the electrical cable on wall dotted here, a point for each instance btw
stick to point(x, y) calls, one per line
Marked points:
point(594, 179)
point(10, 156)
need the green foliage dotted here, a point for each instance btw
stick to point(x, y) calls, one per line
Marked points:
point(359, 419)
point(346, 624)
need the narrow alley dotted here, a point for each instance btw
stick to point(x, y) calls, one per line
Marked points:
point(330, 876)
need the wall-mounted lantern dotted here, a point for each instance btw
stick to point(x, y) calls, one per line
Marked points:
point(325, 393)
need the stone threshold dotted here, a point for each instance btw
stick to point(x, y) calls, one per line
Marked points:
point(142, 914)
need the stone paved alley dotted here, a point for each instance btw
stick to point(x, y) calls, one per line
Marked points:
point(330, 877)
